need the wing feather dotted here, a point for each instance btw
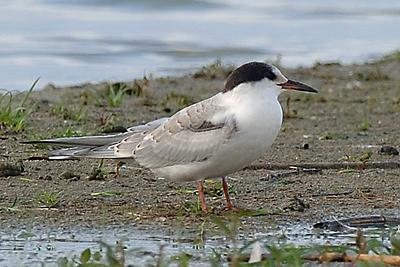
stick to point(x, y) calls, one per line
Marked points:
point(191, 135)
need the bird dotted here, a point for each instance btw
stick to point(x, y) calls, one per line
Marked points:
point(208, 139)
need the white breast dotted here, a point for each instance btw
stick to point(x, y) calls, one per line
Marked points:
point(258, 115)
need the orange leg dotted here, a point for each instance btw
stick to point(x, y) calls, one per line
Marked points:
point(117, 166)
point(229, 205)
point(200, 190)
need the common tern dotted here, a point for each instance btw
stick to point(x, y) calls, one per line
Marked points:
point(209, 139)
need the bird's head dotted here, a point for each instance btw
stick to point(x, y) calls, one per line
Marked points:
point(266, 75)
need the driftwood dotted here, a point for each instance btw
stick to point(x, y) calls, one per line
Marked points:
point(360, 222)
point(391, 260)
point(327, 165)
point(343, 257)
point(295, 171)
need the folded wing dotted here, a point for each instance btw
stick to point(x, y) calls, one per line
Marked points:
point(194, 134)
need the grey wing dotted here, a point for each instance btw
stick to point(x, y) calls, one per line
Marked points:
point(99, 146)
point(148, 126)
point(134, 136)
point(191, 135)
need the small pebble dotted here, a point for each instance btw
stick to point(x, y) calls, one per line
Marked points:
point(67, 175)
point(46, 177)
point(304, 146)
point(115, 129)
point(389, 150)
point(96, 174)
point(11, 169)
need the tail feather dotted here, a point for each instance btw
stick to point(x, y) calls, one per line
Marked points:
point(91, 141)
point(103, 152)
point(66, 153)
point(98, 147)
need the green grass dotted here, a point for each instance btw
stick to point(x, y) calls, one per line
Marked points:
point(191, 207)
point(179, 100)
point(214, 70)
point(372, 75)
point(364, 157)
point(393, 56)
point(69, 132)
point(214, 188)
point(99, 173)
point(365, 124)
point(68, 113)
point(333, 136)
point(113, 257)
point(139, 87)
point(13, 117)
point(116, 94)
point(11, 208)
point(48, 199)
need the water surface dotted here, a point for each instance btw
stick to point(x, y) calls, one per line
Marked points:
point(35, 246)
point(69, 42)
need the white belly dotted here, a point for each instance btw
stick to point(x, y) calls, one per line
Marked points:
point(258, 124)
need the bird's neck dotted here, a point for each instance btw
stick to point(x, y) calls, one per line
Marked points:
point(252, 94)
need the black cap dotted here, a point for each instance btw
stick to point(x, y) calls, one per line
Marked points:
point(249, 72)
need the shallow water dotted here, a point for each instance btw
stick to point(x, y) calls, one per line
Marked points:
point(36, 246)
point(68, 42)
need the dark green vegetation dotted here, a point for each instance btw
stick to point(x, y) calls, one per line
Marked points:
point(14, 117)
point(343, 129)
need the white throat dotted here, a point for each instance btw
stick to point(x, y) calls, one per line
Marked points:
point(255, 107)
point(261, 92)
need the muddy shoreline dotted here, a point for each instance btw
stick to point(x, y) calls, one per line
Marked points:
point(355, 114)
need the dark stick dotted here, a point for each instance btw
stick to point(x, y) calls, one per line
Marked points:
point(327, 165)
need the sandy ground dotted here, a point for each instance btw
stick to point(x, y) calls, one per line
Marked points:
point(345, 125)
